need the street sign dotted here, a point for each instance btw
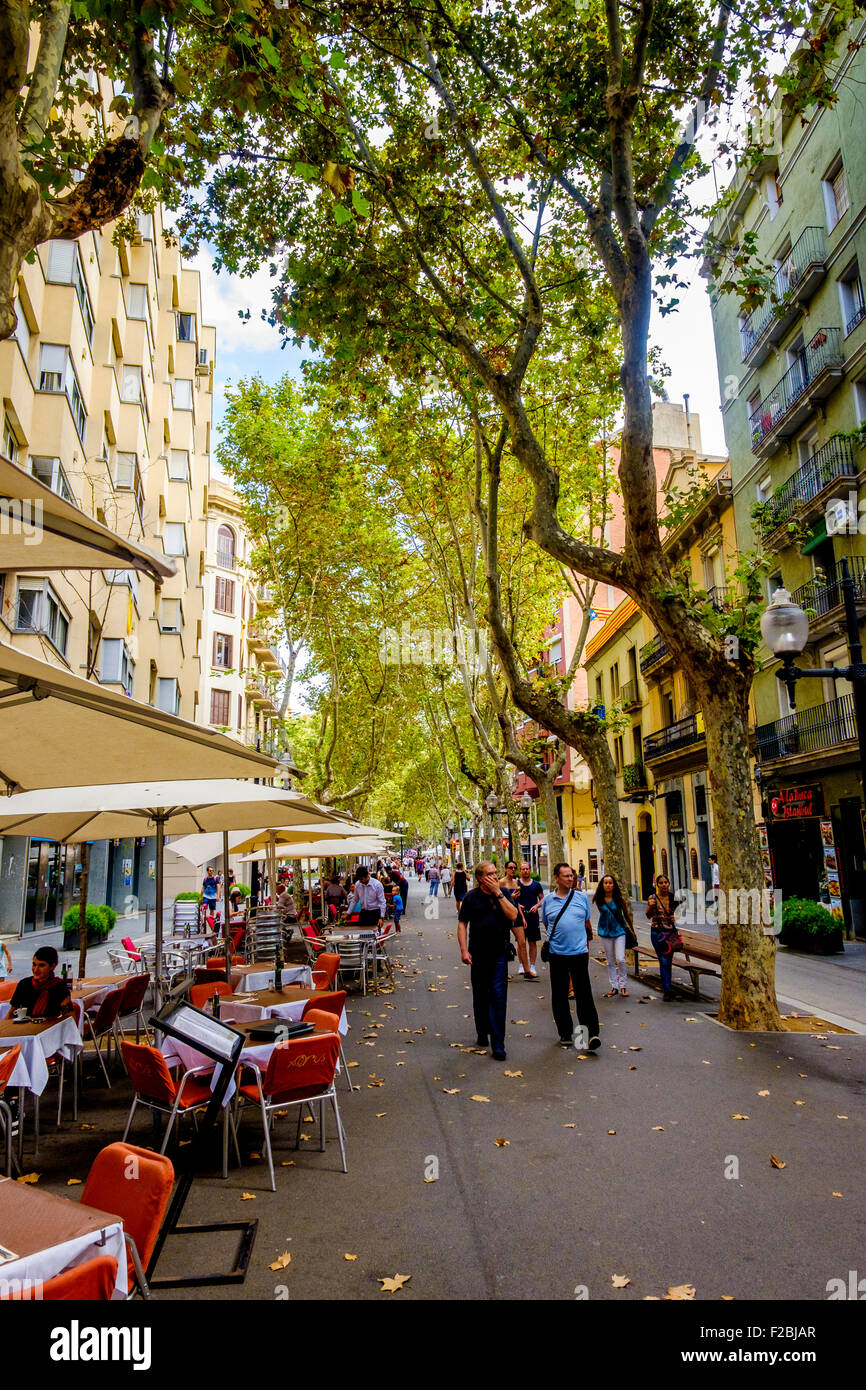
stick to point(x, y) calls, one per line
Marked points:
point(797, 803)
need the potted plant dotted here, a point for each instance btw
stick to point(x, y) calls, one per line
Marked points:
point(99, 919)
point(807, 926)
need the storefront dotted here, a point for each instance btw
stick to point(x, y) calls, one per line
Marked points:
point(815, 834)
point(53, 883)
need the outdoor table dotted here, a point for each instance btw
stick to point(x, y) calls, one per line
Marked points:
point(50, 1234)
point(268, 1003)
point(260, 975)
point(53, 1037)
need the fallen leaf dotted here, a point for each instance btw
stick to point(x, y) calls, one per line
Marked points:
point(502, 1143)
point(514, 1073)
point(392, 1285)
point(727, 1297)
point(353, 1064)
point(657, 1127)
point(30, 1177)
point(571, 1126)
point(709, 1064)
point(431, 1179)
point(255, 1155)
point(454, 1092)
point(632, 1068)
point(371, 1084)
point(524, 1021)
point(88, 1126)
point(350, 1257)
point(802, 1075)
point(73, 1182)
point(287, 1163)
point(486, 1099)
point(282, 1261)
point(248, 1196)
point(611, 1131)
point(380, 1114)
point(651, 1297)
point(841, 1117)
point(632, 1048)
point(739, 1117)
point(681, 1291)
point(837, 1194)
point(777, 1162)
point(689, 1020)
point(619, 1281)
point(763, 1093)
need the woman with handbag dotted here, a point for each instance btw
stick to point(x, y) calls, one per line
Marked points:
point(615, 931)
point(664, 933)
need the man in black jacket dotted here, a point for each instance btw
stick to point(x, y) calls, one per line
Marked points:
point(488, 917)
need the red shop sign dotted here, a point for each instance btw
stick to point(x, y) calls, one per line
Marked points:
point(797, 803)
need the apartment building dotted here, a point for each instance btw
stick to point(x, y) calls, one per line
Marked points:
point(106, 396)
point(243, 668)
point(793, 378)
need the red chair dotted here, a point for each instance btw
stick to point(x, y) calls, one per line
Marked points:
point(238, 935)
point(134, 1185)
point(8, 1060)
point(200, 994)
point(131, 1003)
point(92, 1282)
point(329, 961)
point(329, 1006)
point(299, 1072)
point(103, 1025)
point(129, 946)
point(209, 975)
point(7, 989)
point(155, 1087)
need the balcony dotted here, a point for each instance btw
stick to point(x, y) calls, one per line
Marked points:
point(830, 464)
point(857, 317)
point(225, 557)
point(794, 283)
point(258, 689)
point(684, 734)
point(653, 654)
point(718, 597)
point(807, 731)
point(822, 597)
point(629, 695)
point(634, 778)
point(808, 381)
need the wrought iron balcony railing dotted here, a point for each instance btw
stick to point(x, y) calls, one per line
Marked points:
point(634, 777)
point(653, 653)
point(807, 730)
point(833, 461)
point(819, 355)
point(809, 250)
point(821, 595)
point(679, 735)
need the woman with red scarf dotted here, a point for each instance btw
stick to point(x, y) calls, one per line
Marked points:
point(43, 995)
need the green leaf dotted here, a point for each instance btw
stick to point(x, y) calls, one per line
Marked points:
point(341, 214)
point(307, 171)
point(270, 52)
point(337, 61)
point(360, 204)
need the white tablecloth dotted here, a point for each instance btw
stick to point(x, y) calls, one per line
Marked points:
point(46, 1264)
point(292, 1010)
point(264, 979)
point(173, 1050)
point(31, 1071)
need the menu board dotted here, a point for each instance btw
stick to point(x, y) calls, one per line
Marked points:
point(210, 1035)
point(766, 856)
point(831, 868)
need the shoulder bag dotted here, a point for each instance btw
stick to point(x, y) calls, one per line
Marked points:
point(545, 949)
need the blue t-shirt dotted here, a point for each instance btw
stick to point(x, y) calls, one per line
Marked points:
point(569, 936)
point(209, 887)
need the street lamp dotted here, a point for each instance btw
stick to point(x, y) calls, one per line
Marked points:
point(401, 825)
point(785, 629)
point(526, 805)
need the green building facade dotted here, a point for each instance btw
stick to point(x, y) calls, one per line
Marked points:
point(793, 386)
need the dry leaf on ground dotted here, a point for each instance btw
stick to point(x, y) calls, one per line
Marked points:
point(837, 1194)
point(350, 1257)
point(570, 1126)
point(514, 1073)
point(392, 1285)
point(281, 1261)
point(777, 1162)
point(248, 1196)
point(287, 1163)
point(681, 1292)
point(658, 1127)
point(486, 1099)
point(619, 1281)
point(73, 1182)
point(454, 1092)
point(502, 1143)
point(30, 1177)
point(632, 1048)
point(799, 1102)
point(739, 1117)
point(611, 1131)
point(380, 1114)
point(763, 1093)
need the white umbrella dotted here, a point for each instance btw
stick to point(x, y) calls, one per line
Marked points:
point(44, 532)
point(74, 814)
point(59, 730)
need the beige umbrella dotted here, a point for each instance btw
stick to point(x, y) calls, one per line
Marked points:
point(59, 730)
point(324, 847)
point(44, 532)
point(76, 814)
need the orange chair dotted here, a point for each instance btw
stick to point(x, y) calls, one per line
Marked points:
point(8, 1060)
point(329, 961)
point(331, 1005)
point(103, 1025)
point(299, 1072)
point(7, 989)
point(140, 1204)
point(92, 1282)
point(155, 1087)
point(209, 975)
point(200, 994)
point(132, 1002)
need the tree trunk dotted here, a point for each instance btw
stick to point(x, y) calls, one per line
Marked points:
point(298, 884)
point(555, 847)
point(476, 852)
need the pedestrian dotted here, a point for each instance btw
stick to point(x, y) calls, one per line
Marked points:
point(461, 884)
point(368, 899)
point(397, 904)
point(581, 875)
point(403, 889)
point(489, 917)
point(433, 879)
point(714, 871)
point(614, 922)
point(664, 933)
point(509, 885)
point(530, 895)
point(565, 913)
point(209, 891)
point(5, 961)
point(445, 879)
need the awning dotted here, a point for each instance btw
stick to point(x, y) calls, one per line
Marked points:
point(819, 534)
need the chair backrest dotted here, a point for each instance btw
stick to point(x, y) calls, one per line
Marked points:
point(209, 975)
point(93, 1282)
point(141, 1204)
point(353, 955)
point(108, 1010)
point(320, 1019)
point(149, 1075)
point(120, 962)
point(237, 937)
point(200, 994)
point(302, 1063)
point(129, 944)
point(328, 1003)
point(133, 993)
point(8, 1060)
point(7, 989)
point(329, 961)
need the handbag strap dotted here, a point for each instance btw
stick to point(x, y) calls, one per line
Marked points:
point(558, 915)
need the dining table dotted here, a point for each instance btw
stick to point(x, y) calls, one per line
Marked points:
point(39, 1039)
point(288, 1003)
point(42, 1235)
point(259, 974)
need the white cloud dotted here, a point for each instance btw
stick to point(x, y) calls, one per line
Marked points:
point(224, 295)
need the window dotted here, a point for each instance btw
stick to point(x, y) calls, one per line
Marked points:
point(807, 446)
point(226, 548)
point(835, 190)
point(144, 223)
point(772, 194)
point(618, 754)
point(22, 332)
point(222, 650)
point(182, 394)
point(10, 443)
point(614, 682)
point(127, 577)
point(599, 690)
point(774, 582)
point(224, 596)
point(117, 668)
point(57, 375)
point(136, 302)
point(174, 538)
point(178, 465)
point(860, 399)
point(851, 298)
point(39, 610)
point(167, 695)
point(50, 472)
point(202, 357)
point(130, 385)
point(240, 712)
point(127, 477)
point(186, 328)
point(219, 707)
point(554, 653)
point(64, 268)
point(170, 615)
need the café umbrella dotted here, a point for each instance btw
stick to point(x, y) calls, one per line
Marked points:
point(79, 814)
point(325, 848)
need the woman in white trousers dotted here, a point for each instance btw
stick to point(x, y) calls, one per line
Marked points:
point(614, 913)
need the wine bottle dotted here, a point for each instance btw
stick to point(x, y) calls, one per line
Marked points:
point(278, 965)
point(215, 1005)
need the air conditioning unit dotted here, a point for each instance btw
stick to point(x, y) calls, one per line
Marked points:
point(202, 369)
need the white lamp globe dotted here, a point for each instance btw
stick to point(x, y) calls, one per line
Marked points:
point(784, 626)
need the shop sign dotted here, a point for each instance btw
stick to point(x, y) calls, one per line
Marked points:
point(797, 803)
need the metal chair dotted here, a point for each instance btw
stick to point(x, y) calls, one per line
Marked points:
point(121, 962)
point(354, 961)
point(186, 917)
point(8, 1060)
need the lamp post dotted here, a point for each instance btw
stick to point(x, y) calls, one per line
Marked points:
point(785, 629)
point(526, 805)
point(400, 826)
point(493, 806)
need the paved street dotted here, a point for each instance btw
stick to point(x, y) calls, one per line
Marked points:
point(564, 1203)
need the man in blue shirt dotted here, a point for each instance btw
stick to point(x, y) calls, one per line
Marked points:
point(565, 913)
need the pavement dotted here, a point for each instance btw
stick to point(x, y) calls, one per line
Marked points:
point(543, 1176)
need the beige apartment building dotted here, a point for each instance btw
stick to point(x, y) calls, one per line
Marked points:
point(106, 396)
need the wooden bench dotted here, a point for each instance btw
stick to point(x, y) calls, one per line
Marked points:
point(703, 948)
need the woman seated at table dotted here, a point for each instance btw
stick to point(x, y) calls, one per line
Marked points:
point(42, 995)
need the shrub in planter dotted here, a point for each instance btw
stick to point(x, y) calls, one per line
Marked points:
point(188, 897)
point(806, 926)
point(242, 889)
point(99, 919)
